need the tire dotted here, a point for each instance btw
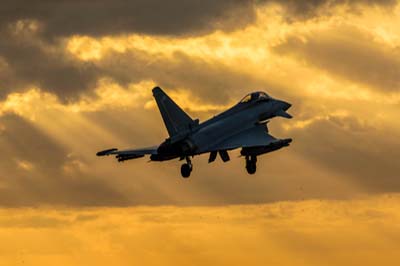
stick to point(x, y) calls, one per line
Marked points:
point(251, 168)
point(185, 170)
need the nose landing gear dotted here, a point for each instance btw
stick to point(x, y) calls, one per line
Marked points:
point(186, 168)
point(251, 164)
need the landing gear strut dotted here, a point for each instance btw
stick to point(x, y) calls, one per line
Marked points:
point(186, 168)
point(251, 164)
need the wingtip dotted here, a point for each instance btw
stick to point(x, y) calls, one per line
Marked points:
point(106, 152)
point(286, 142)
point(156, 90)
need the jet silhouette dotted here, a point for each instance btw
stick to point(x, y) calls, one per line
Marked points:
point(242, 126)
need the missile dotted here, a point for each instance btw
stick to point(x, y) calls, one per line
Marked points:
point(122, 157)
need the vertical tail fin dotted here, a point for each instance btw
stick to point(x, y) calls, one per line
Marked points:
point(175, 119)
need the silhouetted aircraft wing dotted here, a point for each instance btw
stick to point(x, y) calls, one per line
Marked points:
point(124, 155)
point(256, 136)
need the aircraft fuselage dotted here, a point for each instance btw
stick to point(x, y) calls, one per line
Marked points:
point(242, 126)
point(235, 120)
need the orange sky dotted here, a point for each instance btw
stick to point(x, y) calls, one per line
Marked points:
point(353, 232)
point(76, 79)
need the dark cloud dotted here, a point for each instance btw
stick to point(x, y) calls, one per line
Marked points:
point(353, 148)
point(345, 146)
point(26, 58)
point(108, 183)
point(348, 53)
point(306, 9)
point(21, 139)
point(34, 62)
point(202, 77)
point(45, 182)
point(176, 17)
point(29, 61)
point(32, 52)
point(105, 17)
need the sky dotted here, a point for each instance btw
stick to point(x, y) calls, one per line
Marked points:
point(76, 78)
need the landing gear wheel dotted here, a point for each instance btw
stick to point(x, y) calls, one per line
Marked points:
point(251, 168)
point(186, 169)
point(251, 165)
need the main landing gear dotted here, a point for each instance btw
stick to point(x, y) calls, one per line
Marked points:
point(186, 168)
point(251, 164)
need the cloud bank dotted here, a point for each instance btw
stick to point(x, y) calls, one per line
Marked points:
point(75, 79)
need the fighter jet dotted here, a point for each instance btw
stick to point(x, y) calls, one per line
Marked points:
point(242, 126)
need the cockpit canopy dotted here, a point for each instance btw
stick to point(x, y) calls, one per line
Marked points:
point(256, 97)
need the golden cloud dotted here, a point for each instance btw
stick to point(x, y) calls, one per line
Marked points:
point(68, 97)
point(362, 231)
point(108, 95)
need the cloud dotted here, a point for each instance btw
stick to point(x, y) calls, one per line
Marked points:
point(32, 52)
point(349, 53)
point(359, 150)
point(45, 182)
point(299, 10)
point(68, 96)
point(309, 233)
point(30, 61)
point(34, 221)
point(177, 17)
point(67, 172)
point(106, 17)
point(205, 77)
point(27, 59)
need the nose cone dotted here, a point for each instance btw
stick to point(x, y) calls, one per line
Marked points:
point(285, 105)
point(281, 108)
